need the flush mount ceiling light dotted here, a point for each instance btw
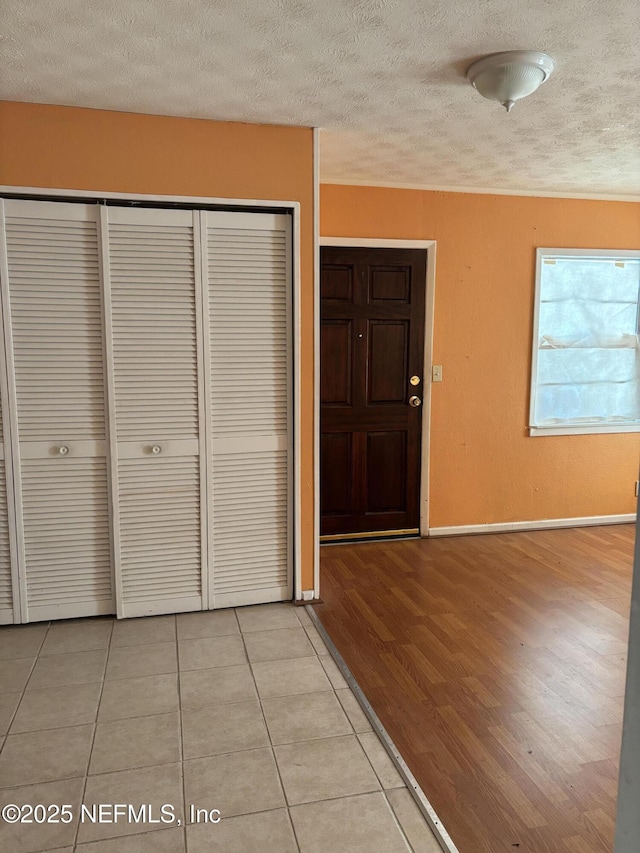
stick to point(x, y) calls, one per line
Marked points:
point(507, 77)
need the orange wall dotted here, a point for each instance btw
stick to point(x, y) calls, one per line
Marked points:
point(80, 149)
point(484, 466)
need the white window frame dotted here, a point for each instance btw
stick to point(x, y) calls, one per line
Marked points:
point(543, 254)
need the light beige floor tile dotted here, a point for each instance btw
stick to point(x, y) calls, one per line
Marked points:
point(78, 636)
point(334, 674)
point(210, 652)
point(239, 783)
point(278, 644)
point(146, 629)
point(287, 677)
point(137, 661)
point(211, 623)
point(14, 674)
point(351, 824)
point(74, 668)
point(137, 697)
point(266, 832)
point(410, 817)
point(45, 756)
point(229, 765)
point(316, 640)
point(14, 837)
point(136, 742)
point(57, 707)
point(21, 641)
point(385, 768)
point(303, 616)
point(304, 717)
point(155, 786)
point(163, 841)
point(220, 686)
point(352, 708)
point(267, 617)
point(323, 769)
point(223, 728)
point(8, 704)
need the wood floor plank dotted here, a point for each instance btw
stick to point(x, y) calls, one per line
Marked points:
point(497, 664)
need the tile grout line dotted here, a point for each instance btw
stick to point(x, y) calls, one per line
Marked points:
point(24, 689)
point(273, 752)
point(437, 827)
point(93, 739)
point(209, 755)
point(180, 724)
point(395, 817)
point(123, 720)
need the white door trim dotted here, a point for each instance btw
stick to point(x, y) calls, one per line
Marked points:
point(49, 192)
point(44, 193)
point(383, 243)
point(10, 438)
point(108, 371)
point(628, 816)
point(316, 366)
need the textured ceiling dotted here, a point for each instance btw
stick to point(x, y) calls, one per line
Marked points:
point(383, 78)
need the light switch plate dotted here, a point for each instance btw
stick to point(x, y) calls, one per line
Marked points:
point(436, 373)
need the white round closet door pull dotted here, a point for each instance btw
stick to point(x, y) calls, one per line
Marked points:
point(64, 450)
point(156, 449)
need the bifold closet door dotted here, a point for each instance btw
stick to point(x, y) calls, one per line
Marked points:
point(247, 270)
point(151, 283)
point(9, 609)
point(54, 347)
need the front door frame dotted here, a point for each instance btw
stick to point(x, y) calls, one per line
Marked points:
point(384, 243)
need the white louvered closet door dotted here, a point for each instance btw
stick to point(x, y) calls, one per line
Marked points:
point(247, 267)
point(153, 290)
point(56, 389)
point(9, 611)
point(6, 581)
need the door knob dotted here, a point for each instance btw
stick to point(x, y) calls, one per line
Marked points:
point(415, 401)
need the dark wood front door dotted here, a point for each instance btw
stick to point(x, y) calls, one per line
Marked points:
point(372, 344)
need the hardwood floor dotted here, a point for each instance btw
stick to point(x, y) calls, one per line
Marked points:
point(497, 665)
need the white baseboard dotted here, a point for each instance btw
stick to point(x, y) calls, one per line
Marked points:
point(542, 524)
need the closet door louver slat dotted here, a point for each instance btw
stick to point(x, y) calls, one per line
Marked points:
point(152, 281)
point(249, 308)
point(56, 325)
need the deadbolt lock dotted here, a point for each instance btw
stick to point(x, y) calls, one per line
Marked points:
point(415, 401)
point(415, 380)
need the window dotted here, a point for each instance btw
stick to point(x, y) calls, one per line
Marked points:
point(586, 343)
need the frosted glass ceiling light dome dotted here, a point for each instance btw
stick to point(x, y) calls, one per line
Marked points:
point(507, 77)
